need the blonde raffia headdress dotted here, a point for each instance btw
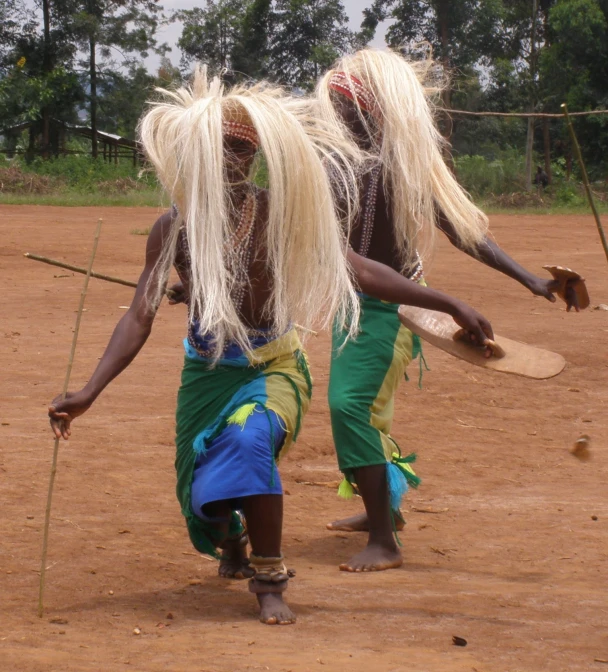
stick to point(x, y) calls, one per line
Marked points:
point(236, 123)
point(306, 249)
point(406, 141)
point(352, 88)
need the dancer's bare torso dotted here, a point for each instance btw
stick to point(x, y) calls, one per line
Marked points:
point(256, 283)
point(372, 233)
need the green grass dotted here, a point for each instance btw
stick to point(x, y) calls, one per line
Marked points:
point(83, 173)
point(135, 199)
point(554, 209)
point(154, 199)
point(77, 181)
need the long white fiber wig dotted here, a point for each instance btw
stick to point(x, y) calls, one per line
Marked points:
point(306, 249)
point(407, 142)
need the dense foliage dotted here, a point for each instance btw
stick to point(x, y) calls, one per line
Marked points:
point(81, 61)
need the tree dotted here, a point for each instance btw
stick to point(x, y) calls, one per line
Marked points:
point(211, 33)
point(39, 82)
point(167, 74)
point(308, 36)
point(16, 22)
point(251, 53)
point(291, 41)
point(573, 68)
point(462, 34)
point(112, 27)
point(122, 98)
point(554, 50)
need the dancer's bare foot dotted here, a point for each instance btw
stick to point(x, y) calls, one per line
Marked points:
point(273, 611)
point(374, 558)
point(234, 563)
point(360, 523)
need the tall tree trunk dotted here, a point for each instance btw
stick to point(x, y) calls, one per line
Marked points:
point(533, 58)
point(546, 125)
point(444, 34)
point(31, 146)
point(47, 67)
point(547, 147)
point(529, 150)
point(93, 106)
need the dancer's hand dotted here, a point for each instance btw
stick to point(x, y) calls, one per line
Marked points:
point(547, 288)
point(63, 411)
point(178, 294)
point(571, 297)
point(478, 329)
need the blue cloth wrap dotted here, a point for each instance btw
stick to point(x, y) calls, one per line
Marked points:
point(238, 461)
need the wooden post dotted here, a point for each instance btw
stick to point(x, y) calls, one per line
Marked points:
point(581, 163)
point(547, 148)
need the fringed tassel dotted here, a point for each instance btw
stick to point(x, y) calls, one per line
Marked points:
point(397, 484)
point(404, 465)
point(345, 489)
point(416, 346)
point(296, 391)
point(417, 352)
point(421, 361)
point(304, 369)
point(239, 417)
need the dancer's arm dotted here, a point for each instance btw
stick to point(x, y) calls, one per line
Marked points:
point(382, 282)
point(490, 254)
point(127, 340)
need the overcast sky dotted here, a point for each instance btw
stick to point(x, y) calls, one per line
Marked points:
point(170, 34)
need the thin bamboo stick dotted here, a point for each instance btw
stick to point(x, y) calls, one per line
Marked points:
point(78, 269)
point(579, 157)
point(118, 281)
point(66, 382)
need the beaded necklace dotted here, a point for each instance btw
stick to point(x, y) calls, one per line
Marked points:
point(369, 210)
point(238, 247)
point(416, 270)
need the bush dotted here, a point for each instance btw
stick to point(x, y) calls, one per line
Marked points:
point(14, 180)
point(482, 177)
point(85, 174)
point(568, 193)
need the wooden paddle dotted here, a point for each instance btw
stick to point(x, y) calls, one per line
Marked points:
point(508, 356)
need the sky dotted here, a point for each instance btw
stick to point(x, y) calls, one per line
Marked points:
point(171, 33)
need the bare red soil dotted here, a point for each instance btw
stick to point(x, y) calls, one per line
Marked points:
point(513, 557)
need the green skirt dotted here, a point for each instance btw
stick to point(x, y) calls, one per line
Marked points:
point(364, 377)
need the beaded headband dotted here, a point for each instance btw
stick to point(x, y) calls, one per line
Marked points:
point(235, 129)
point(353, 88)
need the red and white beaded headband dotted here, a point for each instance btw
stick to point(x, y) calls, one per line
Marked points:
point(235, 129)
point(353, 88)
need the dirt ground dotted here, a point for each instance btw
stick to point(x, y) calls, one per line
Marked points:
point(506, 542)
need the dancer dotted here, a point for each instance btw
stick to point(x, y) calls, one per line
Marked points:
point(377, 99)
point(251, 261)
